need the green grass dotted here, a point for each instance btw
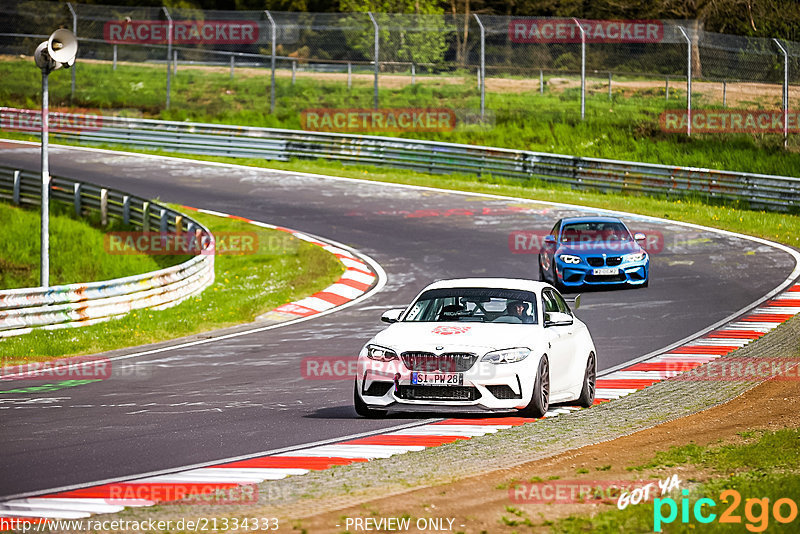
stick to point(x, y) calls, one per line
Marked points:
point(77, 252)
point(763, 467)
point(626, 128)
point(283, 269)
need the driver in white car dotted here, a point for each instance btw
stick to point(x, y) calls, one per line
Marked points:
point(518, 309)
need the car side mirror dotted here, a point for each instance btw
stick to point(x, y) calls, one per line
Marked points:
point(557, 319)
point(639, 236)
point(549, 240)
point(391, 316)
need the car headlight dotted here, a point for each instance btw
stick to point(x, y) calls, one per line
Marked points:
point(506, 355)
point(382, 354)
point(568, 258)
point(639, 256)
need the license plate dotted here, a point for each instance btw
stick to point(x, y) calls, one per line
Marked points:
point(437, 379)
point(606, 271)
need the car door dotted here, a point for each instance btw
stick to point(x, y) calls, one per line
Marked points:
point(561, 341)
point(548, 250)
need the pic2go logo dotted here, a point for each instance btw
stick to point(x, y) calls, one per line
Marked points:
point(756, 511)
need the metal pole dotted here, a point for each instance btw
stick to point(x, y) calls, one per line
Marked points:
point(609, 86)
point(44, 273)
point(666, 88)
point(273, 36)
point(785, 99)
point(688, 81)
point(541, 82)
point(483, 64)
point(413, 74)
point(175, 62)
point(294, 70)
point(349, 75)
point(583, 68)
point(115, 58)
point(478, 75)
point(75, 32)
point(377, 56)
point(724, 94)
point(233, 61)
point(169, 52)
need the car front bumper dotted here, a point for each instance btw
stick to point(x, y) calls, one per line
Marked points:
point(582, 274)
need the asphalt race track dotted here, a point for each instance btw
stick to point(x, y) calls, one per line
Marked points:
point(247, 394)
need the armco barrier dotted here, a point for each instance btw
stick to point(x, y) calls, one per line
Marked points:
point(22, 310)
point(758, 190)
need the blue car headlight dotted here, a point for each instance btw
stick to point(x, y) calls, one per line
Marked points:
point(638, 256)
point(569, 258)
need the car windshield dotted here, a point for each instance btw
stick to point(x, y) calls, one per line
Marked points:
point(477, 305)
point(595, 232)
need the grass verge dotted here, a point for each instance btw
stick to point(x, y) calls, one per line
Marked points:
point(77, 252)
point(626, 127)
point(282, 269)
point(740, 478)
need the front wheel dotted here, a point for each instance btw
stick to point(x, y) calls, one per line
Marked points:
point(361, 407)
point(540, 400)
point(589, 383)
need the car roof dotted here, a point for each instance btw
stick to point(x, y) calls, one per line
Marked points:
point(589, 219)
point(497, 283)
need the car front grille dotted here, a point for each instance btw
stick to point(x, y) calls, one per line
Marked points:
point(595, 262)
point(454, 393)
point(450, 362)
point(613, 261)
point(605, 278)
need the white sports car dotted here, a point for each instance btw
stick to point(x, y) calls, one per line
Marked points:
point(493, 344)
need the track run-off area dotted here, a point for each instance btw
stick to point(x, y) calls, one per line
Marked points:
point(247, 394)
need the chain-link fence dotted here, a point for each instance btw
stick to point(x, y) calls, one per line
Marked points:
point(512, 54)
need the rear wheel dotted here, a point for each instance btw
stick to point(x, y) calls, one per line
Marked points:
point(589, 383)
point(361, 407)
point(540, 400)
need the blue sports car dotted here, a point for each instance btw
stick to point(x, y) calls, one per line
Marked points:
point(593, 251)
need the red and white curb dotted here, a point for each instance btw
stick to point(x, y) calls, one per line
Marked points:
point(357, 279)
point(113, 497)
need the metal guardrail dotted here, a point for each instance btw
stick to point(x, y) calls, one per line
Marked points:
point(71, 305)
point(757, 190)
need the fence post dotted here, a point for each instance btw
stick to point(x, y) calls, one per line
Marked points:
point(169, 52)
point(15, 194)
point(482, 76)
point(666, 88)
point(75, 33)
point(126, 210)
point(103, 206)
point(294, 70)
point(583, 68)
point(233, 61)
point(377, 56)
point(413, 74)
point(76, 198)
point(145, 216)
point(349, 75)
point(785, 96)
point(688, 81)
point(541, 81)
point(115, 58)
point(163, 222)
point(273, 36)
point(175, 62)
point(724, 94)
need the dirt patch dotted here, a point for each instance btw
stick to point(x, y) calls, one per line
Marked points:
point(478, 503)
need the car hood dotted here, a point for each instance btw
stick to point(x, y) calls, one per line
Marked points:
point(456, 336)
point(593, 247)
